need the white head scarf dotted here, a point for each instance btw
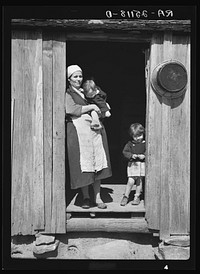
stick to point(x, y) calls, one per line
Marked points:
point(71, 69)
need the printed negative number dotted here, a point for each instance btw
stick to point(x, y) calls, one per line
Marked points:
point(127, 14)
point(109, 13)
point(133, 13)
point(138, 14)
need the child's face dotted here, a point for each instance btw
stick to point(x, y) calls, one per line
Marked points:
point(138, 138)
point(91, 93)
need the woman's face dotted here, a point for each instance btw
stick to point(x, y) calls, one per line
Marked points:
point(76, 79)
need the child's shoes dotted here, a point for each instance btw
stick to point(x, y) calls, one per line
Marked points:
point(136, 201)
point(124, 201)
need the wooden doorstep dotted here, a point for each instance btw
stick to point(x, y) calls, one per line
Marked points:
point(136, 225)
point(111, 195)
point(112, 219)
point(111, 207)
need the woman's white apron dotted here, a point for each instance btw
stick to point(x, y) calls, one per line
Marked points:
point(92, 153)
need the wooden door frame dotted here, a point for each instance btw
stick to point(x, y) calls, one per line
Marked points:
point(99, 30)
point(161, 207)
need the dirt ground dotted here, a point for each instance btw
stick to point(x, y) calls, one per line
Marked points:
point(91, 245)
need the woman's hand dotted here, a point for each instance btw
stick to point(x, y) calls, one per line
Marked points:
point(88, 108)
point(95, 108)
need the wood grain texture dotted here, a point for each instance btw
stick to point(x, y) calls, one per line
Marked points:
point(48, 125)
point(12, 125)
point(17, 153)
point(59, 82)
point(34, 47)
point(113, 24)
point(27, 163)
point(153, 127)
point(168, 145)
point(119, 225)
point(165, 150)
point(180, 145)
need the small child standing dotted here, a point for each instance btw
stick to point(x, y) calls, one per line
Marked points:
point(134, 152)
point(95, 95)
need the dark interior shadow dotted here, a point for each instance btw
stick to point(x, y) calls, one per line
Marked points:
point(131, 196)
point(105, 194)
point(52, 254)
point(122, 60)
point(71, 193)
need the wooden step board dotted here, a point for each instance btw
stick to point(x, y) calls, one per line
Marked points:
point(118, 225)
point(111, 194)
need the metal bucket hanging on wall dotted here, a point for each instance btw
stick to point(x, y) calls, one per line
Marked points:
point(169, 79)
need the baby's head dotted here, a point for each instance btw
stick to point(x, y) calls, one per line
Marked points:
point(89, 88)
point(136, 132)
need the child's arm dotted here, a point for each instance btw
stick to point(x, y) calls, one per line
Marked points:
point(134, 156)
point(101, 103)
point(127, 152)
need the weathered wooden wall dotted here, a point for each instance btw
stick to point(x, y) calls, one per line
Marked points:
point(168, 156)
point(38, 133)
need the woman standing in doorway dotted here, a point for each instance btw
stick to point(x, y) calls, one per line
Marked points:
point(87, 149)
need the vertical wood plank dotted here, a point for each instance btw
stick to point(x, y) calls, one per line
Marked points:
point(180, 146)
point(38, 141)
point(165, 151)
point(33, 85)
point(12, 125)
point(18, 138)
point(147, 85)
point(188, 170)
point(59, 81)
point(147, 82)
point(48, 123)
point(152, 181)
point(165, 170)
point(27, 165)
point(27, 128)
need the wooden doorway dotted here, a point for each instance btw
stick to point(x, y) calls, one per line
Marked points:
point(119, 69)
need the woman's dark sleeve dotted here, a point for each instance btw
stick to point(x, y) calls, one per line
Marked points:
point(71, 107)
point(126, 152)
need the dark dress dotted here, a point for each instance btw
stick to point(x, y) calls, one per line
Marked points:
point(135, 167)
point(133, 148)
point(73, 104)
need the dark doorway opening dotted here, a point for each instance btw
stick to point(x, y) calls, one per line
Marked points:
point(119, 69)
